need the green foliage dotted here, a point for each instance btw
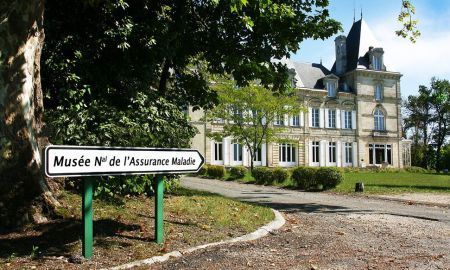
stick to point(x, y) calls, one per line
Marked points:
point(247, 113)
point(34, 252)
point(238, 172)
point(215, 171)
point(203, 170)
point(262, 175)
point(328, 177)
point(409, 29)
point(279, 175)
point(305, 177)
point(414, 169)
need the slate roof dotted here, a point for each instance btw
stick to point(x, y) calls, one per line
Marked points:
point(359, 39)
point(310, 74)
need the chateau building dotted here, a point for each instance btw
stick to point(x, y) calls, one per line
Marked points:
point(353, 116)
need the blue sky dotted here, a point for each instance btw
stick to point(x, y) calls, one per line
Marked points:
point(428, 57)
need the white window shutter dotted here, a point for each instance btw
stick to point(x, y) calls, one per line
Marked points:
point(355, 154)
point(286, 120)
point(342, 119)
point(310, 116)
point(353, 119)
point(213, 152)
point(226, 145)
point(302, 119)
point(291, 121)
point(310, 154)
point(343, 154)
point(338, 118)
point(322, 151)
point(245, 156)
point(327, 120)
point(338, 154)
point(321, 117)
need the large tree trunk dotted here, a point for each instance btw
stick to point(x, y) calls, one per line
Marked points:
point(25, 195)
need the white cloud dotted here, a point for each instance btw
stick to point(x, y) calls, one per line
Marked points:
point(428, 57)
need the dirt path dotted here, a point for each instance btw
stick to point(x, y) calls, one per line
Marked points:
point(330, 232)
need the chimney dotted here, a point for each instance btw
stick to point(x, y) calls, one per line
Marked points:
point(341, 55)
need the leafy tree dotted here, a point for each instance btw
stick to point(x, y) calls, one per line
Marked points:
point(102, 56)
point(428, 116)
point(248, 114)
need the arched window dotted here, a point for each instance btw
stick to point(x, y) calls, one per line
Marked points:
point(379, 119)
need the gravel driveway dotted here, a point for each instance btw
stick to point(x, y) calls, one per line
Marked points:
point(326, 231)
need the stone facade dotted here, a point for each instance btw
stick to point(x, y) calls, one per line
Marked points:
point(352, 115)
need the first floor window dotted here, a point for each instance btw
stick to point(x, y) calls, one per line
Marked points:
point(315, 114)
point(287, 152)
point(348, 153)
point(379, 119)
point(296, 120)
point(279, 120)
point(378, 92)
point(237, 152)
point(380, 154)
point(332, 152)
point(257, 155)
point(218, 152)
point(315, 152)
point(332, 118)
point(348, 119)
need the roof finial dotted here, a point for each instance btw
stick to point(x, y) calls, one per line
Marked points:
point(354, 12)
point(361, 14)
point(320, 60)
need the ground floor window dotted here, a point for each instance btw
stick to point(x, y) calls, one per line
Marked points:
point(218, 153)
point(315, 152)
point(348, 153)
point(380, 154)
point(257, 155)
point(237, 152)
point(287, 152)
point(332, 152)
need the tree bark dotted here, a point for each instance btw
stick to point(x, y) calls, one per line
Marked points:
point(25, 195)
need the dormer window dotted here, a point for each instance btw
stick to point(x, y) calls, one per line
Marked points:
point(331, 89)
point(378, 92)
point(376, 58)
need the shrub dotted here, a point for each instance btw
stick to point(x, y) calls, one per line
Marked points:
point(262, 175)
point(304, 177)
point(414, 169)
point(328, 177)
point(215, 171)
point(238, 172)
point(279, 175)
point(203, 170)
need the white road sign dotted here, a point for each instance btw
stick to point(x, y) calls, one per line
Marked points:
point(61, 160)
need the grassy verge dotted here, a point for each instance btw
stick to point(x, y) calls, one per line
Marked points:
point(401, 182)
point(123, 230)
point(379, 182)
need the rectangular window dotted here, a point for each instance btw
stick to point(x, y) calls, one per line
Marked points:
point(348, 119)
point(287, 152)
point(378, 92)
point(315, 114)
point(348, 152)
point(332, 118)
point(332, 152)
point(315, 152)
point(257, 155)
point(237, 152)
point(380, 154)
point(376, 62)
point(331, 89)
point(279, 120)
point(296, 120)
point(218, 152)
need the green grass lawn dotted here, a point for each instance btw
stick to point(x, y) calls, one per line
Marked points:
point(395, 182)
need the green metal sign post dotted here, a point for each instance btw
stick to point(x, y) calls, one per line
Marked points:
point(88, 224)
point(84, 161)
point(159, 209)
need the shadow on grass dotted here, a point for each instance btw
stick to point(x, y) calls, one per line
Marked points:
point(418, 187)
point(58, 238)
